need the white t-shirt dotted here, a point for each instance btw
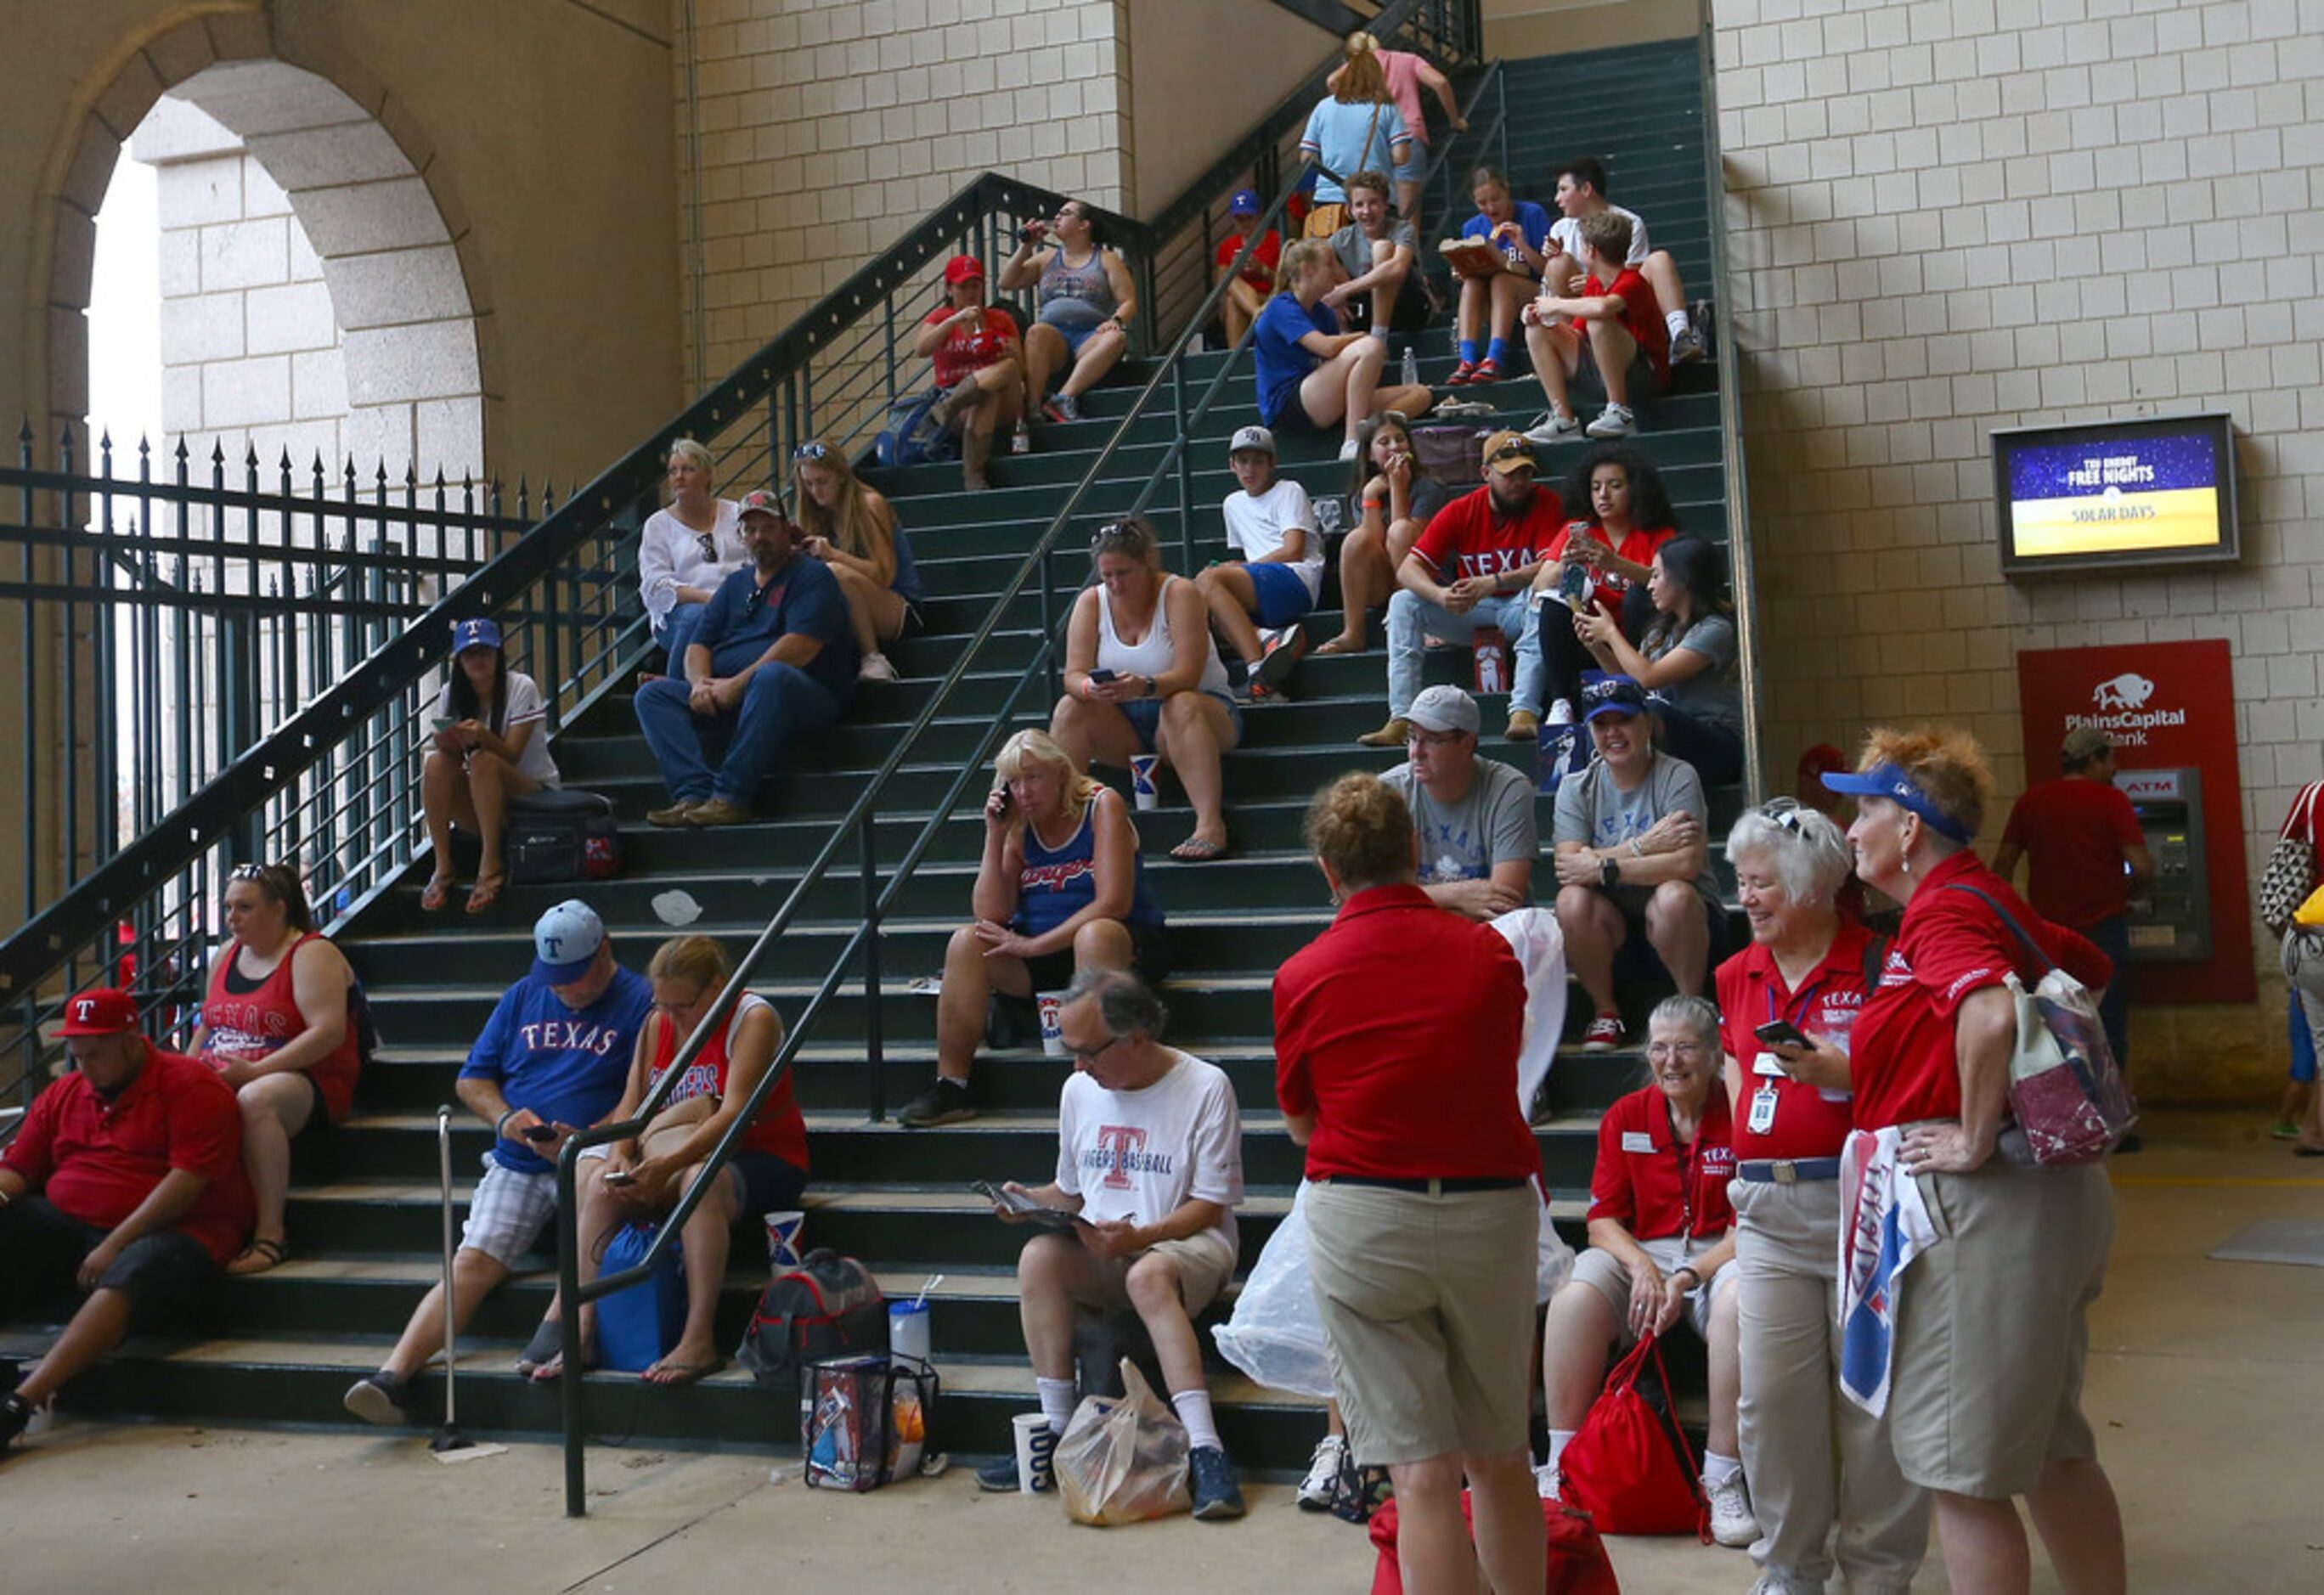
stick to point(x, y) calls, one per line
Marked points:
point(1140, 1155)
point(1255, 528)
point(524, 708)
point(1566, 232)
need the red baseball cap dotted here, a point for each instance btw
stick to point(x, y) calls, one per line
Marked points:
point(104, 1011)
point(963, 268)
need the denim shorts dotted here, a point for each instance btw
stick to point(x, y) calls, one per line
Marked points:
point(1145, 717)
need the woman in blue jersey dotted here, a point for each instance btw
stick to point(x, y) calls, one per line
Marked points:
point(1061, 887)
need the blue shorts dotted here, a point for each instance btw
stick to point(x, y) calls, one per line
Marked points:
point(1074, 331)
point(1282, 595)
point(2303, 1044)
point(1145, 717)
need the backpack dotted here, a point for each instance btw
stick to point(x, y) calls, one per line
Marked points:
point(912, 437)
point(829, 1306)
point(558, 834)
point(1454, 456)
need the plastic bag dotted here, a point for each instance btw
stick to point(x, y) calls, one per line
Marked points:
point(1275, 1335)
point(1123, 1462)
point(1534, 936)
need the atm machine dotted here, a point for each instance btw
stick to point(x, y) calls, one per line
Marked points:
point(2172, 922)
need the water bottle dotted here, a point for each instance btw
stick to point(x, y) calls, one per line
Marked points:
point(1411, 371)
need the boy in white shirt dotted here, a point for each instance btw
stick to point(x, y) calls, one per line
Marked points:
point(1281, 574)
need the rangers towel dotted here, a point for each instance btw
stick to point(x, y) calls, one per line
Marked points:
point(1885, 1225)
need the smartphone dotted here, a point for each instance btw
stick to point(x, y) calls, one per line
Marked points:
point(1780, 1033)
point(442, 722)
point(541, 1132)
point(1100, 677)
point(621, 1177)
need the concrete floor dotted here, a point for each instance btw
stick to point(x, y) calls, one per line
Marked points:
point(2204, 1387)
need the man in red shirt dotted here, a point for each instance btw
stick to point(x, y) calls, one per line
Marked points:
point(125, 1182)
point(980, 363)
point(1395, 1046)
point(1246, 294)
point(2089, 858)
point(1610, 328)
point(1472, 569)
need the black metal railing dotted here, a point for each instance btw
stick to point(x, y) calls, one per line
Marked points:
point(858, 956)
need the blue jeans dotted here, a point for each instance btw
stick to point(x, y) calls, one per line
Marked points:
point(1410, 617)
point(677, 631)
point(2112, 935)
point(779, 701)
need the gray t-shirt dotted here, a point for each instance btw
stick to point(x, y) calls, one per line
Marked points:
point(1710, 696)
point(1494, 822)
point(1355, 250)
point(1596, 813)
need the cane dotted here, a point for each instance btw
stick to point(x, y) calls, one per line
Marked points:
point(447, 1438)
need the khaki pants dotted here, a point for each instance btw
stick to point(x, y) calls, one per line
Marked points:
point(1813, 1458)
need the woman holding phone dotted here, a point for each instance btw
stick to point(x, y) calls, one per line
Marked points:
point(490, 745)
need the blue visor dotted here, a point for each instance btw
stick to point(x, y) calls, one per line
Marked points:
point(1890, 781)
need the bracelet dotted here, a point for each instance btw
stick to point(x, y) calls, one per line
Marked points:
point(500, 1125)
point(1687, 1269)
point(1635, 850)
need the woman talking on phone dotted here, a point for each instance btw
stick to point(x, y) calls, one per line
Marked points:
point(1060, 887)
point(490, 745)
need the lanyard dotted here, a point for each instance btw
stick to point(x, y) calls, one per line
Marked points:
point(1686, 1161)
point(1801, 1000)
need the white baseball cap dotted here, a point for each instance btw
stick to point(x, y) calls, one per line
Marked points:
point(1257, 438)
point(564, 942)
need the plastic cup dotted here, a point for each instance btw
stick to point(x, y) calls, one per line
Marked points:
point(1051, 1005)
point(783, 1249)
point(908, 1329)
point(1036, 1446)
point(1142, 789)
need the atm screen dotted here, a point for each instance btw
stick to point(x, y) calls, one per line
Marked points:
point(2132, 492)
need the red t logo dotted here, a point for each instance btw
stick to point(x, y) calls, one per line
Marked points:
point(1119, 1143)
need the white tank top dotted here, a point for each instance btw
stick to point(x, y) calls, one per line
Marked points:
point(1154, 654)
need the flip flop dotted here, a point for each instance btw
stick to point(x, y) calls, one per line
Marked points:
point(1340, 645)
point(681, 1373)
point(552, 1370)
point(485, 893)
point(547, 1342)
point(1199, 850)
point(258, 1257)
point(439, 893)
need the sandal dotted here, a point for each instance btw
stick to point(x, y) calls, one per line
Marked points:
point(547, 1344)
point(1342, 645)
point(552, 1370)
point(439, 893)
point(259, 1256)
point(1198, 850)
point(485, 893)
point(681, 1373)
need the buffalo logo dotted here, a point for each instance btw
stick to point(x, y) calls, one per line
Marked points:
point(2129, 690)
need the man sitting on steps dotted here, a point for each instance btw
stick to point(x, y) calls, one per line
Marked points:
point(774, 655)
point(1149, 1158)
point(1473, 817)
point(551, 1059)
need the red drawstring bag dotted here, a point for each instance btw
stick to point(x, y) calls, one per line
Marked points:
point(1629, 1466)
point(1578, 1565)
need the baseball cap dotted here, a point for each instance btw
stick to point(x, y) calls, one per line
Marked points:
point(564, 942)
point(963, 268)
point(760, 502)
point(1444, 708)
point(1613, 695)
point(1890, 781)
point(1253, 438)
point(2084, 744)
point(103, 1011)
point(1506, 451)
point(1244, 203)
point(476, 634)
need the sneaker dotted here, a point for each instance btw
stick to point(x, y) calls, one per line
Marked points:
point(2284, 1130)
point(1462, 375)
point(1604, 1035)
point(1615, 421)
point(875, 667)
point(1779, 1581)
point(1731, 1523)
point(944, 1102)
point(17, 1415)
point(1688, 346)
point(1020, 441)
point(1524, 725)
point(1547, 1483)
point(1323, 1473)
point(675, 814)
point(380, 1398)
point(1561, 711)
point(1217, 1496)
point(1000, 1476)
point(1064, 407)
point(1391, 735)
point(1347, 450)
point(1275, 668)
point(718, 811)
point(1553, 427)
point(1489, 370)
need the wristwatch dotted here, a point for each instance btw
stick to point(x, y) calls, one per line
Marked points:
point(1610, 873)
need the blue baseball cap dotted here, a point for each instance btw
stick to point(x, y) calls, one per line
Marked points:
point(1244, 203)
point(564, 942)
point(1890, 781)
point(476, 634)
point(1611, 694)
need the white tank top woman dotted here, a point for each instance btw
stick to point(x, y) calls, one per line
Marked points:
point(1154, 654)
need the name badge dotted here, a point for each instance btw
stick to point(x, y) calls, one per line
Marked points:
point(1763, 1110)
point(1768, 1065)
point(1637, 1141)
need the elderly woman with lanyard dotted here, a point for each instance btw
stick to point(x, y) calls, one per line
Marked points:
point(1085, 300)
point(1991, 1332)
point(1787, 1004)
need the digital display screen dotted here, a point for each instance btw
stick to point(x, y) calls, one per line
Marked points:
point(2145, 492)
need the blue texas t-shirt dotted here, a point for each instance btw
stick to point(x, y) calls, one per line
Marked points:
point(566, 1065)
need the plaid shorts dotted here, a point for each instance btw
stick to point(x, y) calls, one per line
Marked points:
point(508, 1211)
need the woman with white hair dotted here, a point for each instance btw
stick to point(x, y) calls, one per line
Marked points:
point(1787, 1005)
point(685, 549)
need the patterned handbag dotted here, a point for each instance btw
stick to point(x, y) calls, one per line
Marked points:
point(2290, 872)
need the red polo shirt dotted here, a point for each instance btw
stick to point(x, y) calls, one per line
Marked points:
point(97, 1160)
point(1475, 539)
point(1397, 1030)
point(2073, 832)
point(1652, 1184)
point(1809, 1122)
point(1950, 944)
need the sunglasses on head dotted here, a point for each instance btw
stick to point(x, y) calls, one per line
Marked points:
point(1116, 534)
point(1784, 812)
point(246, 872)
point(811, 451)
point(1513, 451)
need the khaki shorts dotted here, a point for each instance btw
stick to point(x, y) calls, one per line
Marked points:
point(1205, 1263)
point(1427, 1306)
point(1993, 1327)
point(1609, 1277)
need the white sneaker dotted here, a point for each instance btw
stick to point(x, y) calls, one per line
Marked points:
point(1614, 421)
point(1547, 1480)
point(1776, 1581)
point(1553, 427)
point(1561, 711)
point(1347, 451)
point(875, 667)
point(1731, 1522)
point(1316, 1491)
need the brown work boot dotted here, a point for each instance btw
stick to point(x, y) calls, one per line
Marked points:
point(675, 814)
point(1525, 726)
point(1394, 735)
point(718, 811)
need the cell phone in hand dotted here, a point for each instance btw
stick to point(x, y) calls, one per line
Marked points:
point(541, 1132)
point(442, 722)
point(1780, 1033)
point(621, 1177)
point(1100, 677)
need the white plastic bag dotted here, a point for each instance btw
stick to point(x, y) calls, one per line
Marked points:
point(1534, 936)
point(1123, 1462)
point(1275, 1335)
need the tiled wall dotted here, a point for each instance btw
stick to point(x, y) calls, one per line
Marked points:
point(1949, 216)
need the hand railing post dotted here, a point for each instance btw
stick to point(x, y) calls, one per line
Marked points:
point(1185, 466)
point(568, 1304)
point(874, 1049)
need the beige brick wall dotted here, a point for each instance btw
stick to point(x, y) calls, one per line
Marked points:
point(1949, 216)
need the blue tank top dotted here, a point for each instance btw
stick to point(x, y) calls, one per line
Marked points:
point(1057, 883)
point(1074, 297)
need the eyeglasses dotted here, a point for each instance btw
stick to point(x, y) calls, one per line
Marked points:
point(1090, 1057)
point(1418, 738)
point(1660, 1050)
point(814, 450)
